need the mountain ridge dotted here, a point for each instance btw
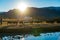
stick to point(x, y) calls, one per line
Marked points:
point(47, 12)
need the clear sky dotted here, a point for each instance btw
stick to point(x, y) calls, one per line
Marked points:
point(6, 5)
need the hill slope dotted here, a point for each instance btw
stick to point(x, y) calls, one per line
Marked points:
point(47, 12)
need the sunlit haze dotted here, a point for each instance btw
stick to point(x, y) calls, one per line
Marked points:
point(22, 6)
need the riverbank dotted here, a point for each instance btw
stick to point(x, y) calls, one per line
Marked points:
point(28, 28)
point(32, 31)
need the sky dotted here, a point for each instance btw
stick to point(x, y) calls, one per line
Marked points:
point(6, 5)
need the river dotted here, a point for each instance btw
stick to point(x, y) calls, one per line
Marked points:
point(35, 34)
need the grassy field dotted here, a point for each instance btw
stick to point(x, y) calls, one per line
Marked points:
point(32, 25)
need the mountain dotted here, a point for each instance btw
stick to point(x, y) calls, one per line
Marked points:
point(46, 12)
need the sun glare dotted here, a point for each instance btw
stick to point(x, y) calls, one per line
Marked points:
point(22, 6)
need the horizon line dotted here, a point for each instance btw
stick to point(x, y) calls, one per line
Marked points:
point(30, 7)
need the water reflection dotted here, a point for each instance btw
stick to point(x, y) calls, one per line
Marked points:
point(45, 36)
point(16, 37)
point(42, 36)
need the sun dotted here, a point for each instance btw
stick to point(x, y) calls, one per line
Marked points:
point(22, 6)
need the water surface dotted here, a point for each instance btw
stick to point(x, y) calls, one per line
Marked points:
point(41, 36)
